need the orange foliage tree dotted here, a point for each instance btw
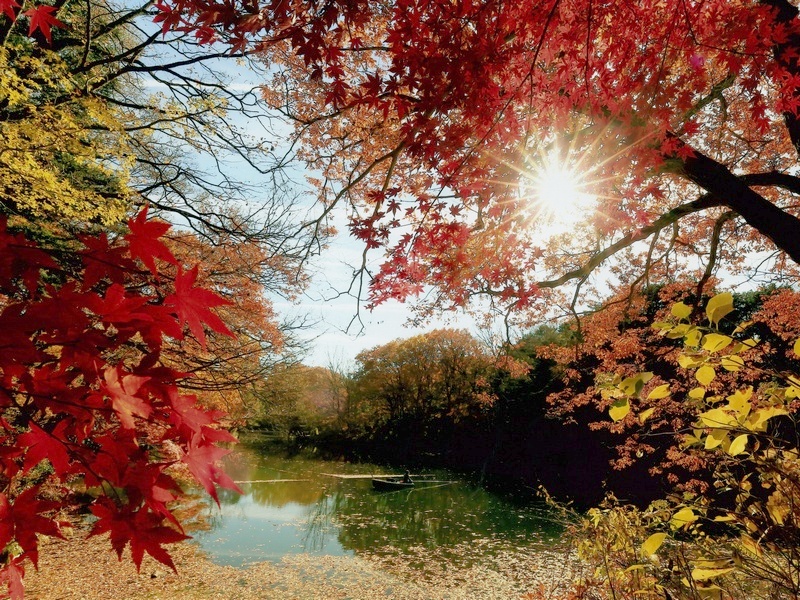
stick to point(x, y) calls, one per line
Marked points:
point(442, 373)
point(229, 371)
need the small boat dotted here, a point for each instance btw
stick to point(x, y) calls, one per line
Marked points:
point(389, 485)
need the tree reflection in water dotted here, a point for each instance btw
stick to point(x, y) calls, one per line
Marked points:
point(458, 523)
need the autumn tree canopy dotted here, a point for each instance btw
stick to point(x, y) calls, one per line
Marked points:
point(436, 122)
point(442, 373)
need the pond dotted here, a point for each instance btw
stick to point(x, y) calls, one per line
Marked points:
point(301, 505)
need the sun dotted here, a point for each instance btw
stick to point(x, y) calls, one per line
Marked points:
point(556, 191)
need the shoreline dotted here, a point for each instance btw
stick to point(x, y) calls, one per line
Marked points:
point(84, 569)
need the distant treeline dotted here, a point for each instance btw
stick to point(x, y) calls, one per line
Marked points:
point(532, 415)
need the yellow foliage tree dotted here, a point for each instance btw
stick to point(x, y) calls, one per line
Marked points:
point(740, 539)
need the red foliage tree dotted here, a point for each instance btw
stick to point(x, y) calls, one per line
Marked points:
point(88, 413)
point(440, 117)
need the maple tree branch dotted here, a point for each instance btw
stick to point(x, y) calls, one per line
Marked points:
point(665, 220)
point(712, 251)
point(734, 192)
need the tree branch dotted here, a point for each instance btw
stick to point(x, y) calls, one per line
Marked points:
point(665, 220)
point(734, 192)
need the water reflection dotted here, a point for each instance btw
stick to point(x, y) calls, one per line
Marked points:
point(294, 505)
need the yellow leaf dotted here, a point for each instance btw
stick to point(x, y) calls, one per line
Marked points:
point(741, 327)
point(693, 337)
point(631, 386)
point(703, 574)
point(797, 347)
point(757, 421)
point(778, 507)
point(750, 545)
point(681, 311)
point(689, 362)
point(716, 417)
point(738, 445)
point(697, 393)
point(678, 331)
point(659, 392)
point(714, 342)
point(619, 410)
point(732, 363)
point(683, 518)
point(645, 414)
point(740, 398)
point(653, 543)
point(715, 438)
point(705, 375)
point(719, 306)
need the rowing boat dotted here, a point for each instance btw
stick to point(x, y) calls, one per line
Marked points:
point(388, 485)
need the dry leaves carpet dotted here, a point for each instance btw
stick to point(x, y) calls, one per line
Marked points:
point(82, 568)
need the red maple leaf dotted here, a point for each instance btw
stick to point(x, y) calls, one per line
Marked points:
point(12, 574)
point(41, 445)
point(192, 305)
point(122, 391)
point(28, 522)
point(147, 535)
point(7, 7)
point(144, 243)
point(141, 528)
point(185, 412)
point(102, 260)
point(202, 462)
point(42, 18)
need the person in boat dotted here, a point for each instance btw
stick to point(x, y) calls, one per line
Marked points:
point(407, 477)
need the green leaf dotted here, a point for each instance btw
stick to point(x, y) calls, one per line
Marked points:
point(653, 543)
point(659, 392)
point(732, 363)
point(705, 375)
point(681, 311)
point(714, 342)
point(719, 306)
point(619, 410)
point(738, 445)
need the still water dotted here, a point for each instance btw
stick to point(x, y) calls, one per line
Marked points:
point(303, 505)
